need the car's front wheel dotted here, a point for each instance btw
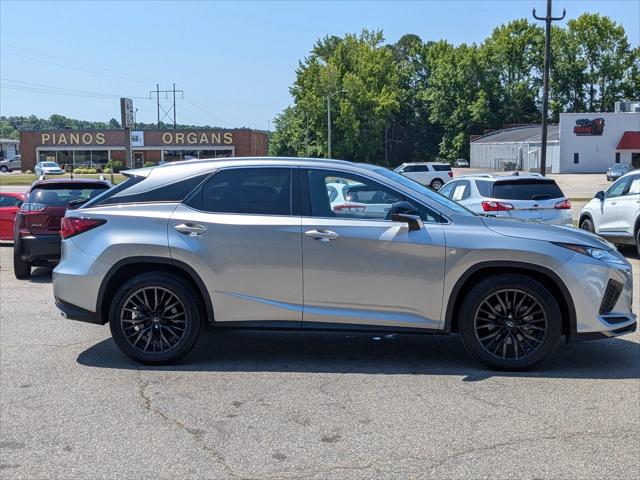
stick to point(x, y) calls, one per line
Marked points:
point(4, 169)
point(155, 319)
point(587, 224)
point(638, 241)
point(510, 322)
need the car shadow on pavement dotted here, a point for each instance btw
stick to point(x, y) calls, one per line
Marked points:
point(322, 352)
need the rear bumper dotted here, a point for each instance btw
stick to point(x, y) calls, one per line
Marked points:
point(39, 248)
point(73, 312)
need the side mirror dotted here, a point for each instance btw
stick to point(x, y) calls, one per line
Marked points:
point(599, 195)
point(406, 213)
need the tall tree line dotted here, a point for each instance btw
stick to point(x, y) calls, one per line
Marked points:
point(416, 100)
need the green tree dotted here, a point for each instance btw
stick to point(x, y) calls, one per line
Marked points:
point(603, 47)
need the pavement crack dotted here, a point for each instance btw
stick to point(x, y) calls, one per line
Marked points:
point(196, 434)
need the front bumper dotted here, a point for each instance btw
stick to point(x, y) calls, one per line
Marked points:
point(587, 280)
point(39, 248)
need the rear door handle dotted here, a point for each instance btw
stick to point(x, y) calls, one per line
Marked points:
point(191, 229)
point(322, 235)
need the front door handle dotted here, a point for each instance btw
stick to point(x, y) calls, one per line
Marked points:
point(191, 229)
point(322, 235)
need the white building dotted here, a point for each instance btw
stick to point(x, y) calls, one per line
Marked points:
point(582, 143)
point(591, 142)
point(516, 148)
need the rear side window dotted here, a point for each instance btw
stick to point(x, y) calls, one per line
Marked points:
point(257, 191)
point(130, 181)
point(442, 168)
point(527, 190)
point(7, 201)
point(484, 187)
point(173, 192)
point(415, 168)
point(61, 197)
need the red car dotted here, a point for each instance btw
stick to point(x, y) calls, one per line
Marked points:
point(36, 231)
point(9, 205)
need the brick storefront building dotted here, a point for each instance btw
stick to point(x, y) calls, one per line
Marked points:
point(75, 148)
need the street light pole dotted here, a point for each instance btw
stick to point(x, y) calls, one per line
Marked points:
point(545, 89)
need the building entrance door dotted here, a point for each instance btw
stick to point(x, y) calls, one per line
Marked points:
point(635, 160)
point(138, 159)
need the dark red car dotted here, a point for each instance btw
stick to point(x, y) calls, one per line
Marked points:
point(36, 231)
point(9, 205)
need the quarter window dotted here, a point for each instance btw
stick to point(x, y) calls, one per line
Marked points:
point(258, 191)
point(447, 189)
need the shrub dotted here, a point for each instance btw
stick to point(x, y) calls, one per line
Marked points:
point(106, 170)
point(150, 164)
point(28, 172)
point(115, 165)
point(84, 170)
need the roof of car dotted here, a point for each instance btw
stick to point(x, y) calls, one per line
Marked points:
point(14, 194)
point(502, 178)
point(69, 181)
point(424, 163)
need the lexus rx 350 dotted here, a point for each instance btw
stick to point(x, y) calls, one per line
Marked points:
point(255, 243)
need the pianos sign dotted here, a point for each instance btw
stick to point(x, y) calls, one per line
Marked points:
point(585, 127)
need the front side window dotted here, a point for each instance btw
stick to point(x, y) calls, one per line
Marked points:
point(634, 188)
point(618, 188)
point(257, 191)
point(359, 198)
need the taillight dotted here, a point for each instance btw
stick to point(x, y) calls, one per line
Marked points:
point(72, 226)
point(32, 207)
point(496, 206)
point(450, 174)
point(564, 204)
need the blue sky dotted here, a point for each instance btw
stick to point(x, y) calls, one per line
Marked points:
point(235, 61)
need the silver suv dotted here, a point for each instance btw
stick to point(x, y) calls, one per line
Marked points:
point(255, 243)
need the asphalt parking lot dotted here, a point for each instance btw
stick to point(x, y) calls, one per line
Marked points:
point(288, 405)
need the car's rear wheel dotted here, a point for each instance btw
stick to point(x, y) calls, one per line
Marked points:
point(155, 319)
point(437, 184)
point(510, 322)
point(21, 268)
point(587, 224)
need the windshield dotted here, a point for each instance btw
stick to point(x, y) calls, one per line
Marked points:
point(417, 187)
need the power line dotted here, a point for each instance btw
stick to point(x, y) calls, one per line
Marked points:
point(224, 122)
point(44, 88)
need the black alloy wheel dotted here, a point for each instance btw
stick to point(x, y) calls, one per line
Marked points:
point(510, 324)
point(510, 321)
point(154, 318)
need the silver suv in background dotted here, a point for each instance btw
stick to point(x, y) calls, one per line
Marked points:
point(431, 174)
point(615, 213)
point(526, 197)
point(255, 243)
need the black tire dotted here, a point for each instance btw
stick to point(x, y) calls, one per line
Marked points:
point(4, 169)
point(638, 241)
point(538, 331)
point(21, 268)
point(436, 184)
point(149, 328)
point(587, 224)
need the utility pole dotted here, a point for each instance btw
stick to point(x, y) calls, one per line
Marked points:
point(164, 95)
point(329, 121)
point(545, 89)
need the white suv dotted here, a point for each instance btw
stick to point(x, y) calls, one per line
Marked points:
point(433, 175)
point(615, 213)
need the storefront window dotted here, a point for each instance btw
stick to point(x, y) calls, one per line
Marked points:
point(207, 154)
point(99, 157)
point(65, 158)
point(189, 154)
point(171, 155)
point(47, 156)
point(224, 153)
point(82, 158)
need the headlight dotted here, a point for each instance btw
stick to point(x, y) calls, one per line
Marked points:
point(597, 253)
